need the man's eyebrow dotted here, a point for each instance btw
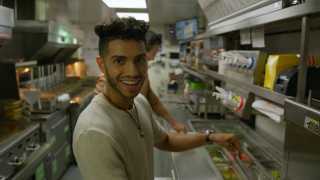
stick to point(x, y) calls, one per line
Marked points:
point(141, 55)
point(118, 56)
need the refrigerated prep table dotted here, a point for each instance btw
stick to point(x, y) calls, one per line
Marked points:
point(215, 162)
point(258, 159)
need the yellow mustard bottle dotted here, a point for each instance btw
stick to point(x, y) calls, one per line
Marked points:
point(277, 64)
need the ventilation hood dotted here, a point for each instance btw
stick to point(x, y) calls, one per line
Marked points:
point(41, 34)
point(6, 24)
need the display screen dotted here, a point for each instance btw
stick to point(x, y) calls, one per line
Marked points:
point(174, 55)
point(186, 29)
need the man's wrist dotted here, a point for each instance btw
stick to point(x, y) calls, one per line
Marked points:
point(208, 134)
point(172, 121)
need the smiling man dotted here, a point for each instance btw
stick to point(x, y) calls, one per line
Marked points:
point(153, 43)
point(115, 135)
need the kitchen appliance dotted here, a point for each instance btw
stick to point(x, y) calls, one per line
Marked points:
point(18, 143)
point(38, 85)
point(8, 80)
point(31, 96)
point(277, 64)
point(6, 24)
point(54, 127)
point(44, 28)
point(287, 82)
point(302, 148)
point(59, 161)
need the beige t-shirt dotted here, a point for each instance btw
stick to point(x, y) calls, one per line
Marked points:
point(107, 144)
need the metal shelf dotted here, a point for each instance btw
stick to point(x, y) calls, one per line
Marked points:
point(193, 72)
point(233, 24)
point(257, 90)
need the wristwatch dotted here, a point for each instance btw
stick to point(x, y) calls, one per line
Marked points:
point(208, 132)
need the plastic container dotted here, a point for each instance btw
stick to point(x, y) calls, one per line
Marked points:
point(216, 154)
point(228, 172)
point(197, 85)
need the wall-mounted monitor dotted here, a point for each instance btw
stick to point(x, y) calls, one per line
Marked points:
point(174, 55)
point(186, 29)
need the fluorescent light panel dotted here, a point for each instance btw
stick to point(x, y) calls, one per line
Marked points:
point(138, 16)
point(126, 3)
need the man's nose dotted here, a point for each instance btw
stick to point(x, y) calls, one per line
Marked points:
point(132, 69)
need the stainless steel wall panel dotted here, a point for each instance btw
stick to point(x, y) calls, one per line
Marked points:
point(6, 17)
point(302, 142)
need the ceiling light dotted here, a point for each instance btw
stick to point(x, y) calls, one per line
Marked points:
point(126, 3)
point(138, 16)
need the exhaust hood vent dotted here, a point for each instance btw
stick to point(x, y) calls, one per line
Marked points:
point(6, 24)
point(41, 35)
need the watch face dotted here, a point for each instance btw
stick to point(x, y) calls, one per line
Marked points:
point(208, 132)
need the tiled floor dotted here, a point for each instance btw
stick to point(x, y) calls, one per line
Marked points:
point(73, 173)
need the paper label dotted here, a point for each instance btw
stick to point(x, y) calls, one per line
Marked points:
point(245, 36)
point(258, 40)
point(312, 125)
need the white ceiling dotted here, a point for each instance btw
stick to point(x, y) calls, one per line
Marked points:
point(163, 12)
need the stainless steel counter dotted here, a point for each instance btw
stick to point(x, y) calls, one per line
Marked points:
point(194, 164)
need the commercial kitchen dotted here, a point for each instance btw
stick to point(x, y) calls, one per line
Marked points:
point(247, 67)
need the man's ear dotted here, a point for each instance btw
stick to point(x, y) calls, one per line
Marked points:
point(100, 64)
point(148, 56)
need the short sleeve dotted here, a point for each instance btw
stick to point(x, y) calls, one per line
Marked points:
point(158, 132)
point(98, 157)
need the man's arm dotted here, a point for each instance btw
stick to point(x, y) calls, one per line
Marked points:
point(180, 142)
point(159, 109)
point(172, 141)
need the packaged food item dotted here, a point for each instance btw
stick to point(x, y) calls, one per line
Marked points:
point(230, 99)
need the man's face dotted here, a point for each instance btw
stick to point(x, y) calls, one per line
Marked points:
point(152, 53)
point(125, 67)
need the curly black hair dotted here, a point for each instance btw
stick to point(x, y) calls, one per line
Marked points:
point(152, 39)
point(120, 28)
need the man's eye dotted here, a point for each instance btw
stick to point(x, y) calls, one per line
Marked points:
point(141, 60)
point(119, 61)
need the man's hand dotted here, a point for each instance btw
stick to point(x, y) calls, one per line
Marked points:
point(100, 84)
point(230, 141)
point(179, 127)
